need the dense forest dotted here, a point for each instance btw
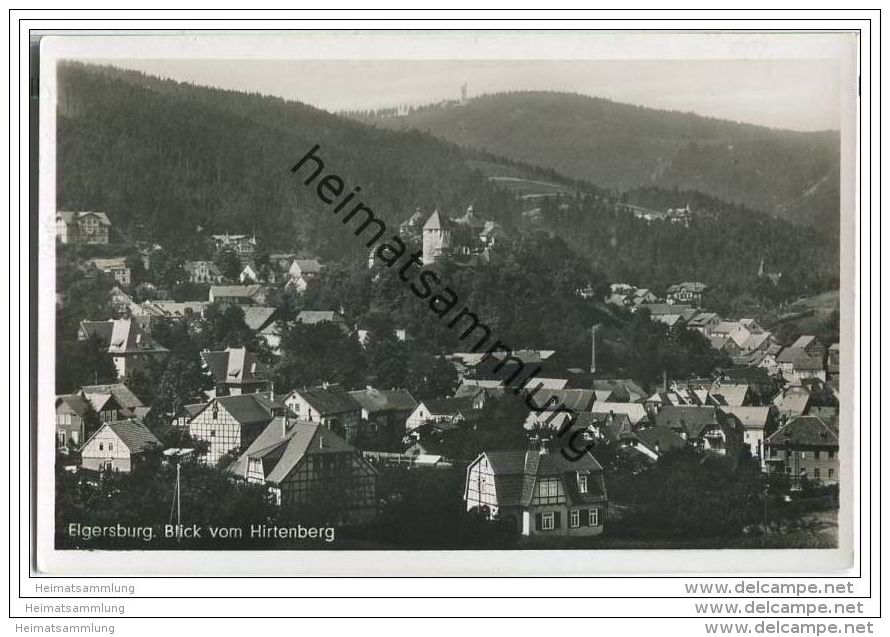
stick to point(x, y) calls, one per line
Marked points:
point(788, 174)
point(173, 163)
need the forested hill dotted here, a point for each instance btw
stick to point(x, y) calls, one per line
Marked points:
point(173, 163)
point(788, 174)
point(165, 158)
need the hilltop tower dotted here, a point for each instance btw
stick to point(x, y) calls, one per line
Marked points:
point(436, 237)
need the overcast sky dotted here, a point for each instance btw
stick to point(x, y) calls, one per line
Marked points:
point(793, 94)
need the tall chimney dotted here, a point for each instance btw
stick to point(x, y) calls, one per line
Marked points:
point(664, 380)
point(593, 331)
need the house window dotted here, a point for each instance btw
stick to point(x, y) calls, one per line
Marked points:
point(788, 453)
point(582, 483)
point(830, 473)
point(816, 455)
point(110, 447)
point(593, 517)
point(101, 447)
point(830, 455)
point(547, 521)
point(803, 455)
point(547, 488)
point(213, 433)
point(816, 471)
point(575, 518)
point(60, 438)
point(215, 411)
point(772, 453)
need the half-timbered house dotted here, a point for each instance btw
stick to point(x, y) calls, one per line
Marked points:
point(230, 423)
point(541, 493)
point(309, 467)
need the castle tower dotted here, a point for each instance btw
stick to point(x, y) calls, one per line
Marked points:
point(436, 237)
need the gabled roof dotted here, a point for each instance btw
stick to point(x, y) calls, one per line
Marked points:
point(284, 443)
point(234, 291)
point(516, 472)
point(436, 222)
point(811, 431)
point(99, 329)
point(692, 420)
point(750, 417)
point(234, 366)
point(122, 394)
point(381, 400)
point(621, 389)
point(246, 409)
point(307, 266)
point(574, 399)
point(799, 359)
point(703, 318)
point(755, 341)
point(792, 401)
point(448, 406)
point(133, 433)
point(122, 336)
point(72, 403)
point(256, 317)
point(332, 399)
point(69, 216)
point(729, 394)
point(660, 439)
point(311, 317)
point(804, 342)
point(636, 412)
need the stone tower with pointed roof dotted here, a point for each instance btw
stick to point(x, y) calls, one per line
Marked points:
point(436, 237)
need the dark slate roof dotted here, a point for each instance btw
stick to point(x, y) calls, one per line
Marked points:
point(75, 403)
point(516, 472)
point(808, 431)
point(99, 329)
point(194, 409)
point(283, 444)
point(691, 419)
point(234, 366)
point(121, 393)
point(135, 435)
point(380, 400)
point(441, 406)
point(332, 399)
point(574, 399)
point(660, 439)
point(247, 409)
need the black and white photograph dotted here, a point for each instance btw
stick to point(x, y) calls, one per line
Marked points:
point(363, 300)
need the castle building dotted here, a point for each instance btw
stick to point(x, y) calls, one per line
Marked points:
point(465, 235)
point(436, 237)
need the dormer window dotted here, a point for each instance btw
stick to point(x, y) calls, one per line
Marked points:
point(582, 483)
